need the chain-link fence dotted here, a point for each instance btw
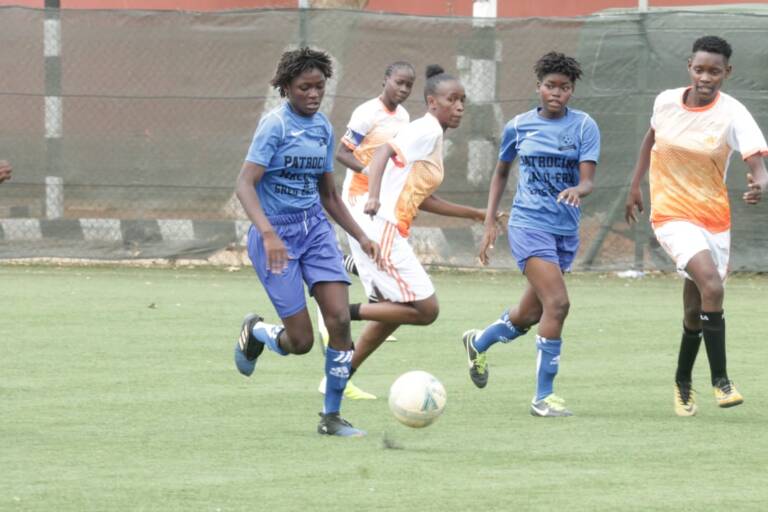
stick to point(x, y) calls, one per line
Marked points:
point(127, 129)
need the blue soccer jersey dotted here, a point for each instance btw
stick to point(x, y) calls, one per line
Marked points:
point(295, 151)
point(550, 151)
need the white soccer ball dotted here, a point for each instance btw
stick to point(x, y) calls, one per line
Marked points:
point(417, 399)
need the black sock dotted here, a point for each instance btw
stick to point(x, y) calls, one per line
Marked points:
point(354, 311)
point(689, 347)
point(713, 325)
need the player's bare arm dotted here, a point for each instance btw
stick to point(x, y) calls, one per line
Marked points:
point(335, 207)
point(491, 231)
point(375, 172)
point(245, 189)
point(346, 157)
point(572, 195)
point(757, 179)
point(634, 204)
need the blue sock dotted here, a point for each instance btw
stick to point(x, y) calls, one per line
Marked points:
point(501, 330)
point(547, 364)
point(337, 368)
point(269, 334)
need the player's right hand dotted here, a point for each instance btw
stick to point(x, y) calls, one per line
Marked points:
point(634, 205)
point(5, 170)
point(277, 255)
point(489, 238)
point(372, 206)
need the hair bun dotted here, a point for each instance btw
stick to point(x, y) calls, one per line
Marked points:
point(434, 69)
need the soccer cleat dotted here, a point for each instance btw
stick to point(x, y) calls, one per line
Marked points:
point(685, 399)
point(247, 347)
point(332, 424)
point(351, 391)
point(478, 365)
point(550, 406)
point(726, 393)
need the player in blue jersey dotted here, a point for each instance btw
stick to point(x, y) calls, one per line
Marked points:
point(558, 149)
point(284, 184)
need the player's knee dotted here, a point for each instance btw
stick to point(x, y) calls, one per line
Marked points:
point(559, 307)
point(337, 323)
point(427, 314)
point(301, 343)
point(712, 289)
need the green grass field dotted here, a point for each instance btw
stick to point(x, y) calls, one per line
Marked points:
point(118, 392)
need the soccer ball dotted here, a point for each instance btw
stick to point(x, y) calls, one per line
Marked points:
point(417, 399)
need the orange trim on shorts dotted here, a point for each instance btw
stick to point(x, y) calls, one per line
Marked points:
point(386, 243)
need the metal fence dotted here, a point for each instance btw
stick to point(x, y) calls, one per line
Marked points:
point(127, 129)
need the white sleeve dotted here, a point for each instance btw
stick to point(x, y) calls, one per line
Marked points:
point(358, 127)
point(656, 105)
point(414, 142)
point(745, 136)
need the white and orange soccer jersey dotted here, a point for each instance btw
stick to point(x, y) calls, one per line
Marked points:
point(370, 126)
point(414, 173)
point(689, 161)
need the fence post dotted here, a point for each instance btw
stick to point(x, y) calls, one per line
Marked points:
point(54, 197)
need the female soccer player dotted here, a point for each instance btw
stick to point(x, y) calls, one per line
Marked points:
point(372, 124)
point(403, 175)
point(693, 132)
point(558, 148)
point(282, 184)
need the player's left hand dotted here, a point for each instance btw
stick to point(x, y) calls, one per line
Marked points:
point(754, 190)
point(570, 196)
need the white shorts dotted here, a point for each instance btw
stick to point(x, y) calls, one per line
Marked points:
point(682, 240)
point(403, 278)
point(360, 257)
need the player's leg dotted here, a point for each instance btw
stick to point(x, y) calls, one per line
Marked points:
point(333, 299)
point(684, 396)
point(512, 323)
point(704, 271)
point(286, 292)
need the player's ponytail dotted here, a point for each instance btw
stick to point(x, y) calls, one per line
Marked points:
point(435, 75)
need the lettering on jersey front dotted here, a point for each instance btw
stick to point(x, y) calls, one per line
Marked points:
point(548, 175)
point(305, 183)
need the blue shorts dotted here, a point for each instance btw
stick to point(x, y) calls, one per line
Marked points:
point(313, 256)
point(531, 243)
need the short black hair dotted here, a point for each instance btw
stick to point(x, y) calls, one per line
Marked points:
point(295, 62)
point(554, 62)
point(435, 76)
point(400, 64)
point(713, 44)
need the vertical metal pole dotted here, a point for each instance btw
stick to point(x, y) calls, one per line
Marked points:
point(53, 112)
point(303, 6)
point(642, 5)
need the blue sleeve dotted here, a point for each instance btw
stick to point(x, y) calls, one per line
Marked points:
point(265, 141)
point(329, 154)
point(590, 142)
point(508, 147)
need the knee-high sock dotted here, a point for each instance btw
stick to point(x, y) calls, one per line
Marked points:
point(713, 327)
point(337, 370)
point(689, 347)
point(547, 364)
point(502, 330)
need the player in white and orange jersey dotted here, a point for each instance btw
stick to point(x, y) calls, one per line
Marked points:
point(694, 130)
point(403, 176)
point(372, 124)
